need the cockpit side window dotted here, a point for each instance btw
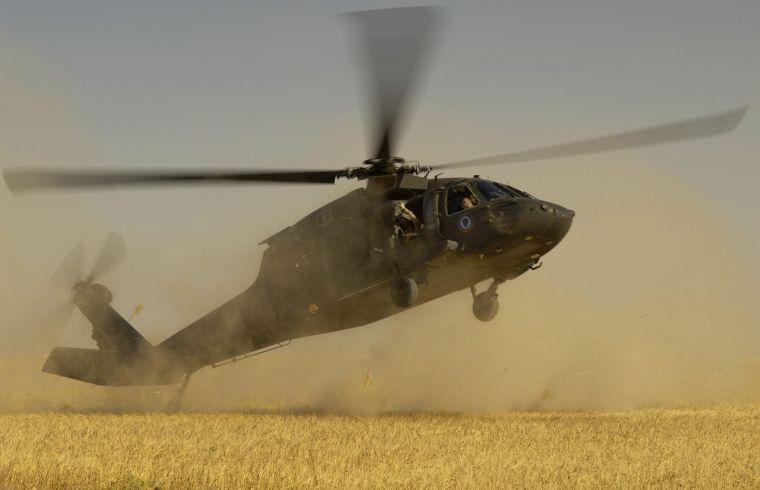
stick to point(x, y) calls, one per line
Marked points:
point(460, 197)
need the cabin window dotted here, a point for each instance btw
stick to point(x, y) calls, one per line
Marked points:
point(459, 198)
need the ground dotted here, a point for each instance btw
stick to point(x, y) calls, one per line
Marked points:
point(708, 447)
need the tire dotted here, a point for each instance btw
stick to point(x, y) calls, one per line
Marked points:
point(485, 307)
point(404, 292)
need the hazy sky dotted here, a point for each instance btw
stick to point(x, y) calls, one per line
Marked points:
point(276, 84)
point(249, 82)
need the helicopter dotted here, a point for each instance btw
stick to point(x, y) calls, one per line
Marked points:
point(409, 236)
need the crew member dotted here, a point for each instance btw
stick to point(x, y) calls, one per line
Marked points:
point(405, 222)
point(467, 202)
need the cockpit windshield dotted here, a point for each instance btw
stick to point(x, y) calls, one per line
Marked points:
point(494, 190)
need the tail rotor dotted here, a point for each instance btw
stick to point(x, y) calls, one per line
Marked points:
point(78, 287)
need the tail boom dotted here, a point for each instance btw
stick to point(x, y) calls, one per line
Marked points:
point(114, 368)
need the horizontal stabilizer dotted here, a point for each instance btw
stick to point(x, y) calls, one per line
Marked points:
point(113, 368)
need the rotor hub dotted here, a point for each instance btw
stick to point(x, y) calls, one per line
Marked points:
point(92, 295)
point(379, 167)
point(384, 161)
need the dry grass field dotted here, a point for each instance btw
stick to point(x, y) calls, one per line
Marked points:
point(717, 447)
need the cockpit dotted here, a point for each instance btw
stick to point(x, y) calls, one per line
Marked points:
point(455, 208)
point(469, 193)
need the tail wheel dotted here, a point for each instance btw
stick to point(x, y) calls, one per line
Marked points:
point(404, 292)
point(485, 306)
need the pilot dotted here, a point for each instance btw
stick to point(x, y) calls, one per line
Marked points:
point(405, 221)
point(467, 202)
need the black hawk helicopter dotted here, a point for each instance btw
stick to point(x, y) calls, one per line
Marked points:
point(400, 241)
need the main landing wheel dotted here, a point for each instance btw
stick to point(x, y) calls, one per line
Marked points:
point(485, 306)
point(404, 292)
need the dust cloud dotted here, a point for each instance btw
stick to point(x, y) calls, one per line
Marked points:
point(645, 303)
point(638, 307)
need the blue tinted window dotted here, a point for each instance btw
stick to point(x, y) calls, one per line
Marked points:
point(494, 190)
point(490, 190)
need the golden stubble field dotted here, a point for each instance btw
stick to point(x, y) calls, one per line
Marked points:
point(716, 447)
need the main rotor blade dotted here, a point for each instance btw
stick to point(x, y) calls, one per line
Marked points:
point(701, 127)
point(114, 251)
point(394, 43)
point(21, 181)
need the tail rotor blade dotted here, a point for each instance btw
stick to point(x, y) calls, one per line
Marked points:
point(114, 251)
point(52, 324)
point(71, 269)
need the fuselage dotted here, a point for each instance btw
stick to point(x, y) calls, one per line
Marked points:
point(334, 269)
point(337, 268)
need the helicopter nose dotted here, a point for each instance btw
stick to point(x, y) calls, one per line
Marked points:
point(533, 220)
point(545, 222)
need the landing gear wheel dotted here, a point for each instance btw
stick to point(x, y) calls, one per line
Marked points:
point(404, 292)
point(485, 306)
